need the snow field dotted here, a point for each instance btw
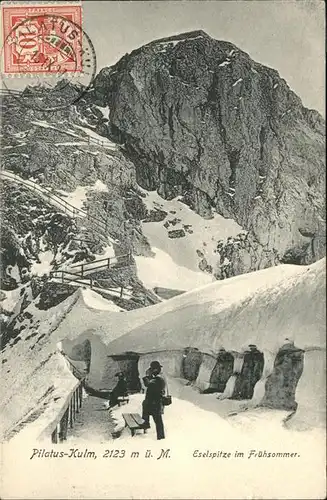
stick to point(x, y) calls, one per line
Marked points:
point(200, 235)
point(252, 308)
point(162, 271)
point(278, 311)
point(189, 431)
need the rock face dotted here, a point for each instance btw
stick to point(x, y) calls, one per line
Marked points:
point(281, 384)
point(252, 368)
point(188, 116)
point(192, 360)
point(199, 118)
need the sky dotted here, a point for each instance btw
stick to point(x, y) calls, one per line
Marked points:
point(284, 34)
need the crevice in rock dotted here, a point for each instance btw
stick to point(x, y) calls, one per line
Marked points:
point(233, 157)
point(262, 139)
point(171, 123)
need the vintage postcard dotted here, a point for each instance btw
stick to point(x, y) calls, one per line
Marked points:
point(163, 328)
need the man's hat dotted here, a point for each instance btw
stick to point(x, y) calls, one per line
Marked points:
point(155, 364)
point(119, 374)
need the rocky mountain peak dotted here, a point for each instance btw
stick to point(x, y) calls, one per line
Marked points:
point(184, 122)
point(200, 119)
point(187, 36)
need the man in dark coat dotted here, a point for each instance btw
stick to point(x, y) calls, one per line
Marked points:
point(120, 389)
point(152, 404)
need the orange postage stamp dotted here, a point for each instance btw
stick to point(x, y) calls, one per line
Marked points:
point(42, 38)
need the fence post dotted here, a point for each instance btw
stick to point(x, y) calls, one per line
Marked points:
point(54, 435)
point(77, 400)
point(82, 270)
point(80, 388)
point(62, 276)
point(91, 283)
point(109, 263)
point(121, 292)
point(64, 426)
point(73, 407)
point(71, 419)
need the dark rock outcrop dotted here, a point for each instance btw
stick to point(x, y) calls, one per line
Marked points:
point(250, 374)
point(222, 371)
point(199, 118)
point(281, 384)
point(192, 360)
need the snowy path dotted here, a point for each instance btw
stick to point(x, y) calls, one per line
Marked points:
point(46, 194)
point(116, 292)
point(92, 137)
point(73, 209)
point(92, 423)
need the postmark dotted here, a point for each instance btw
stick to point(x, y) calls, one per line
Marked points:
point(42, 39)
point(46, 54)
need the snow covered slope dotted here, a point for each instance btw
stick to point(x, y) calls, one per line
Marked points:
point(162, 271)
point(262, 308)
point(184, 243)
point(35, 377)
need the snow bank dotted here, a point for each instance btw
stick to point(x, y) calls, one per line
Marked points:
point(265, 313)
point(201, 234)
point(98, 139)
point(78, 197)
point(311, 392)
point(96, 301)
point(100, 186)
point(33, 373)
point(262, 308)
point(104, 110)
point(161, 270)
point(44, 266)
point(11, 299)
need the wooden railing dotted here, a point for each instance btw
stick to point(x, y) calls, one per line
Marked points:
point(67, 419)
point(107, 263)
point(66, 276)
point(50, 196)
point(70, 278)
point(45, 193)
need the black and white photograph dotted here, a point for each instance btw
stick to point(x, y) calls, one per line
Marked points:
point(163, 242)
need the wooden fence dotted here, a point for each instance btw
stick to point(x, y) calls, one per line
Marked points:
point(66, 207)
point(71, 409)
point(71, 278)
point(45, 193)
point(106, 263)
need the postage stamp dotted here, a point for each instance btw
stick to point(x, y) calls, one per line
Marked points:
point(42, 38)
point(47, 53)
